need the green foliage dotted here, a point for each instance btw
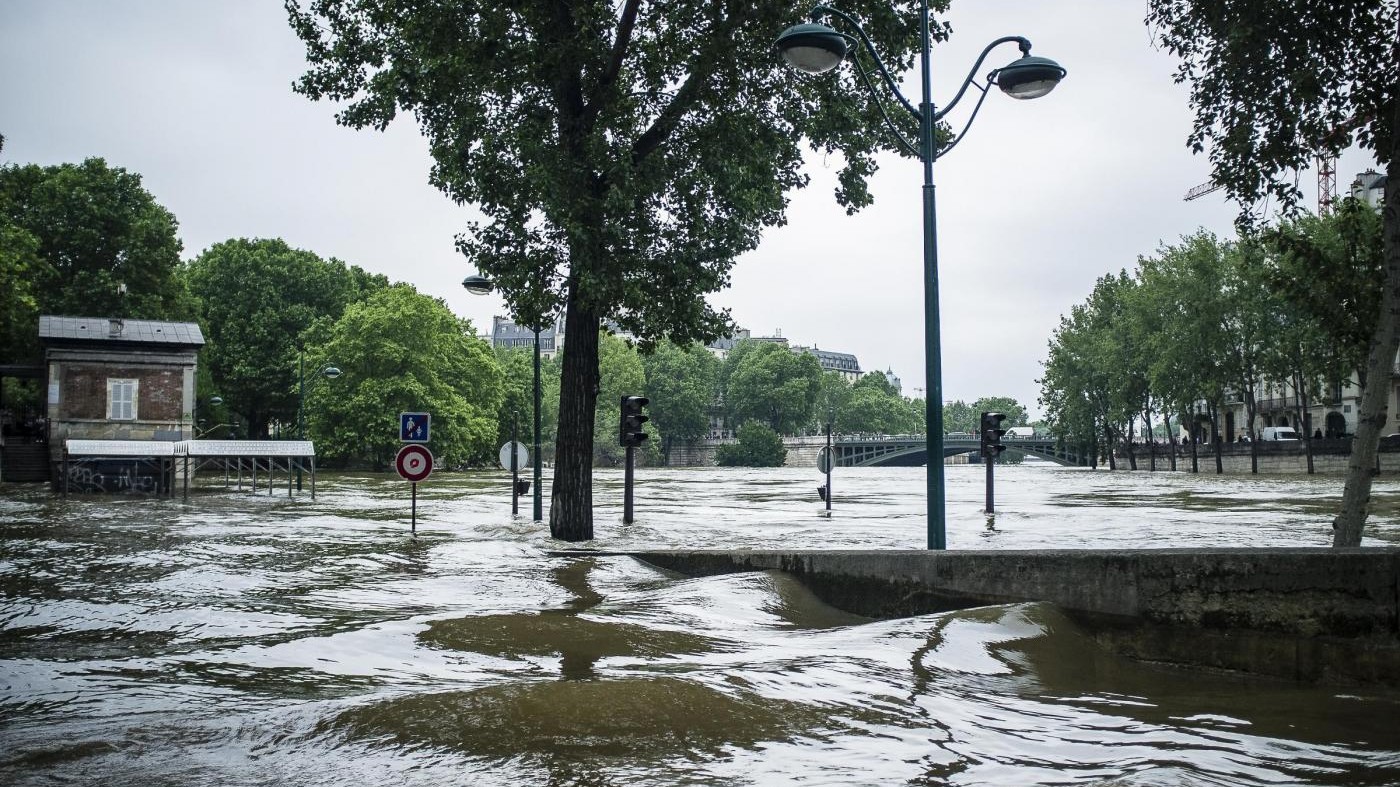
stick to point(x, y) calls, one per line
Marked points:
point(19, 303)
point(768, 382)
point(256, 299)
point(1013, 410)
point(400, 351)
point(1330, 271)
point(623, 155)
point(620, 374)
point(74, 232)
point(1275, 83)
point(758, 446)
point(681, 383)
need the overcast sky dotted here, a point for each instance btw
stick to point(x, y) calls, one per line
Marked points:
point(1041, 199)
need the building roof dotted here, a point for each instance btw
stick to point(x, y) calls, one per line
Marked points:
point(54, 329)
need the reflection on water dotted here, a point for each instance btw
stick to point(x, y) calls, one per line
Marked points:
point(261, 640)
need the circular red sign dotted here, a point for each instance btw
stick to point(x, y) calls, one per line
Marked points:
point(414, 462)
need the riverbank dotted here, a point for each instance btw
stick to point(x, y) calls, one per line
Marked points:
point(1312, 615)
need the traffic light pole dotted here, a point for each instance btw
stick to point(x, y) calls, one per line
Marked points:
point(627, 488)
point(991, 462)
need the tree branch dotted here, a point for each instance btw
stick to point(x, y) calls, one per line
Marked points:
point(625, 26)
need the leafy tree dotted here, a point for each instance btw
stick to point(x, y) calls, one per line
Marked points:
point(772, 384)
point(959, 416)
point(1330, 269)
point(620, 374)
point(80, 230)
point(875, 408)
point(832, 398)
point(1185, 284)
point(681, 383)
point(400, 351)
point(257, 298)
point(878, 381)
point(758, 446)
point(1013, 410)
point(1273, 84)
point(19, 302)
point(623, 154)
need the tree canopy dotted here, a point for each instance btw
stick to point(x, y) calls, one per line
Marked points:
point(73, 233)
point(772, 384)
point(1274, 84)
point(623, 154)
point(256, 299)
point(400, 351)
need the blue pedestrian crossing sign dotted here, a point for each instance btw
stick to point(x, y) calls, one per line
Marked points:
point(413, 427)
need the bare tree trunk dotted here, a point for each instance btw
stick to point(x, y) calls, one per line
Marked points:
point(1108, 443)
point(1132, 457)
point(1301, 398)
point(1380, 361)
point(1250, 405)
point(1215, 439)
point(571, 502)
point(1171, 438)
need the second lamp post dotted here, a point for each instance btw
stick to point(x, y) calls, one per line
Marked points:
point(480, 285)
point(815, 48)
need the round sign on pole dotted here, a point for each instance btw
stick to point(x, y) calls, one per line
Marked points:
point(414, 462)
point(824, 461)
point(522, 456)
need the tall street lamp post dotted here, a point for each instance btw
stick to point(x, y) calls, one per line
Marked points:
point(480, 285)
point(330, 373)
point(815, 48)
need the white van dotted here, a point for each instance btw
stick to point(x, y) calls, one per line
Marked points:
point(1279, 433)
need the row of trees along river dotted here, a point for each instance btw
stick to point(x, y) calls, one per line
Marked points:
point(268, 310)
point(1209, 321)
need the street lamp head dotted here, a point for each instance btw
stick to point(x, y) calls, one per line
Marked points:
point(1029, 76)
point(812, 47)
point(216, 400)
point(331, 372)
point(478, 285)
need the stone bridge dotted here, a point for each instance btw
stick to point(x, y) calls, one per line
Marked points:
point(912, 450)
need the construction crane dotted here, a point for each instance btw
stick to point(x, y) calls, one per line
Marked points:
point(1326, 185)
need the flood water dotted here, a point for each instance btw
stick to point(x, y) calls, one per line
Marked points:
point(261, 640)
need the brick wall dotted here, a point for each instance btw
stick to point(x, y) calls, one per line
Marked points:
point(84, 391)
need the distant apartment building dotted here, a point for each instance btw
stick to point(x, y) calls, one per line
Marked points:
point(1369, 187)
point(843, 364)
point(507, 334)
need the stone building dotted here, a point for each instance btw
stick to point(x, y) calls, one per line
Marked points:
point(115, 379)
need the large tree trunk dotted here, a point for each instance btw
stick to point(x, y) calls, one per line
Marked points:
point(1356, 495)
point(571, 502)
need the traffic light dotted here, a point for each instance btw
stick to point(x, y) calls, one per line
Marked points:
point(630, 434)
point(991, 434)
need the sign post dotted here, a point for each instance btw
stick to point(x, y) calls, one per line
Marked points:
point(513, 456)
point(414, 463)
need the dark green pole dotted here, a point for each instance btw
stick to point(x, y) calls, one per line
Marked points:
point(933, 363)
point(539, 473)
point(301, 404)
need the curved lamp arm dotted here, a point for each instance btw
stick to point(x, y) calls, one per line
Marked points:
point(972, 73)
point(817, 11)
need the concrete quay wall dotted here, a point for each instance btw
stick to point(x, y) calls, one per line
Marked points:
point(801, 452)
point(1311, 615)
